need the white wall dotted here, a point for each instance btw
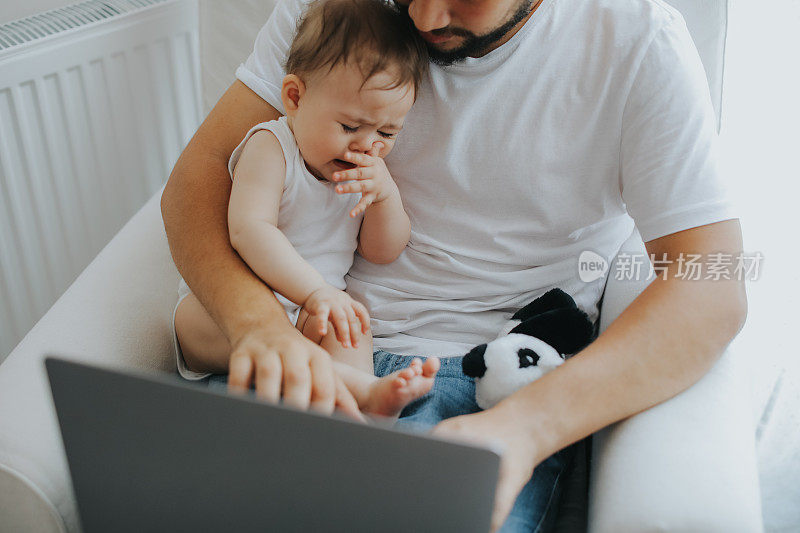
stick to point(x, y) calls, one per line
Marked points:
point(761, 117)
point(17, 9)
point(227, 31)
point(761, 160)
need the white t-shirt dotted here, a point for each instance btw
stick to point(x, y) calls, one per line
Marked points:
point(512, 164)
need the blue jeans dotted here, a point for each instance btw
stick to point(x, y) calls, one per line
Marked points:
point(453, 394)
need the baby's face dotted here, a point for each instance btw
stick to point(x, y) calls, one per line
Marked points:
point(335, 114)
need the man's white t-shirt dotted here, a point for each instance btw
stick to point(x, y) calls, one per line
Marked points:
point(512, 164)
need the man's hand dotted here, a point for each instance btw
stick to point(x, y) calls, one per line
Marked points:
point(349, 318)
point(370, 177)
point(518, 459)
point(285, 363)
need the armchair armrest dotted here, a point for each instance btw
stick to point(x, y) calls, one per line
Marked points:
point(117, 313)
point(687, 464)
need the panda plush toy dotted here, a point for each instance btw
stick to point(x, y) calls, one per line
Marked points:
point(536, 340)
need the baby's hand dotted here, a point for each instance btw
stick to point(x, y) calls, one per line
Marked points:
point(349, 317)
point(370, 177)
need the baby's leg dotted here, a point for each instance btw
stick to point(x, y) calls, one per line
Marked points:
point(353, 365)
point(204, 346)
point(360, 358)
point(385, 396)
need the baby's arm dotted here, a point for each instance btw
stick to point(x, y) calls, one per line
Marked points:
point(385, 229)
point(252, 223)
point(253, 218)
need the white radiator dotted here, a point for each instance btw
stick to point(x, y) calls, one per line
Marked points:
point(96, 102)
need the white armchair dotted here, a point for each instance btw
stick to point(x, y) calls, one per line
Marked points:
point(688, 464)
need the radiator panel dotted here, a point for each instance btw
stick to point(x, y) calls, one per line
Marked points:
point(96, 102)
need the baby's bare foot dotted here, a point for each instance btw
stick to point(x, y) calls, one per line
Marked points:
point(390, 394)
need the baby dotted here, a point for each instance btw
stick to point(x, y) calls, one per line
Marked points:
point(311, 188)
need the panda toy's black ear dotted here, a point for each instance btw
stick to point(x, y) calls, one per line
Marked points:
point(549, 301)
point(473, 364)
point(566, 330)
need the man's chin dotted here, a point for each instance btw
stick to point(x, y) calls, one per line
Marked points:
point(447, 56)
point(451, 45)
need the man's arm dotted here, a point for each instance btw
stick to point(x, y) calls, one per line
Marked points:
point(194, 207)
point(663, 343)
point(266, 348)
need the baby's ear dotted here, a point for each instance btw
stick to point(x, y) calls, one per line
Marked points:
point(292, 90)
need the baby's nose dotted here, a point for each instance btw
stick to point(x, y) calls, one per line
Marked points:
point(361, 145)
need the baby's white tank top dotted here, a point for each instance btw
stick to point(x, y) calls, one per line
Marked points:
point(313, 217)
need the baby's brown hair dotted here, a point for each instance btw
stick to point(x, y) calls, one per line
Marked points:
point(373, 34)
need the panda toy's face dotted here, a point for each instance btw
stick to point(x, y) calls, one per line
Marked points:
point(530, 346)
point(506, 364)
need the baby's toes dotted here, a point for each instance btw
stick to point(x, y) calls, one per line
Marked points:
point(417, 367)
point(430, 367)
point(418, 387)
point(407, 373)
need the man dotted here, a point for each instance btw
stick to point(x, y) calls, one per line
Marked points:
point(541, 127)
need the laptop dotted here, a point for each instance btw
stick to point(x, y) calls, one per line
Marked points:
point(153, 453)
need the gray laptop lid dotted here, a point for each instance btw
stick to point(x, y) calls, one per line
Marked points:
point(150, 453)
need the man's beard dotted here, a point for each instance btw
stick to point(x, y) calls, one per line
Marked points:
point(473, 45)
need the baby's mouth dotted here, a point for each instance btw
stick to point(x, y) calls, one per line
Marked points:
point(342, 164)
